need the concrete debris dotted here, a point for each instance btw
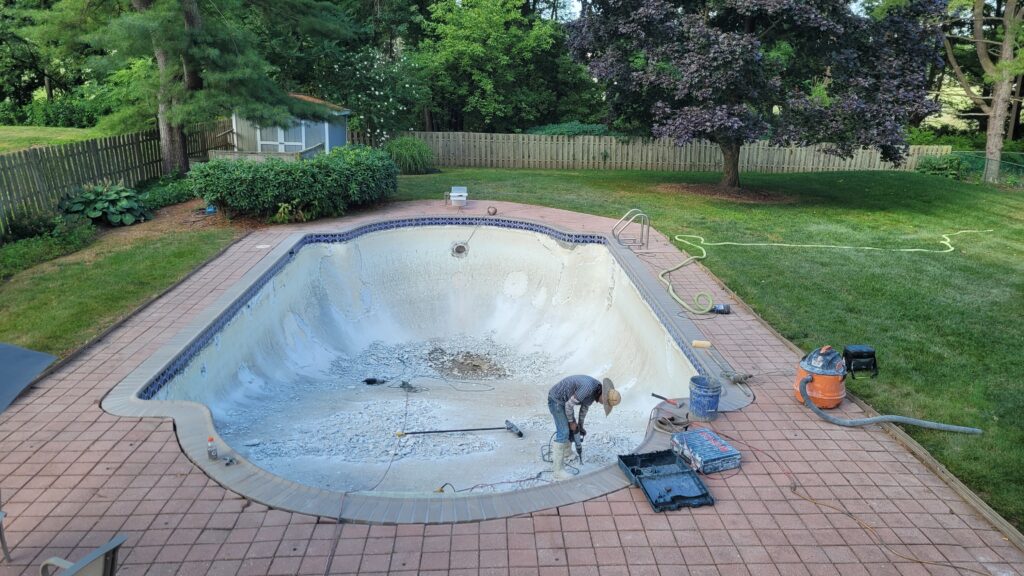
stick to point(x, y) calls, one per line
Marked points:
point(455, 358)
point(366, 434)
point(338, 433)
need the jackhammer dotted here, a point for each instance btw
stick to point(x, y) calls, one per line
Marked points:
point(577, 440)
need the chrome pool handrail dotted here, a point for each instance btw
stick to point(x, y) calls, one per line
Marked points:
point(634, 215)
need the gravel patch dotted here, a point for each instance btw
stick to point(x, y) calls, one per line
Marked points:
point(457, 358)
point(339, 431)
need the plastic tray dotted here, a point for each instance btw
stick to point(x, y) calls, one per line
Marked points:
point(667, 484)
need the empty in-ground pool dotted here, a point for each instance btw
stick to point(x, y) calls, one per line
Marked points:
point(430, 327)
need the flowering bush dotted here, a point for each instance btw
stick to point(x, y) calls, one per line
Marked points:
point(384, 94)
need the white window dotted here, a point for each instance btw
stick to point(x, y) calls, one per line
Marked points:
point(276, 139)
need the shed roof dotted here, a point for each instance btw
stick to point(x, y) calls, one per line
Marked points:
point(313, 100)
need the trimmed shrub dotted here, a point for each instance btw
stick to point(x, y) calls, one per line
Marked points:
point(325, 186)
point(960, 140)
point(411, 154)
point(572, 129)
point(67, 234)
point(370, 175)
point(949, 165)
point(10, 113)
point(166, 191)
point(30, 225)
point(110, 203)
point(62, 111)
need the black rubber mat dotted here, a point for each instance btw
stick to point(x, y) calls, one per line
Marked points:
point(18, 367)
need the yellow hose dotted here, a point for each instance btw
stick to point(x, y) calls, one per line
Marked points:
point(703, 301)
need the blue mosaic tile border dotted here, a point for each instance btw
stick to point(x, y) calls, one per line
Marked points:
point(182, 359)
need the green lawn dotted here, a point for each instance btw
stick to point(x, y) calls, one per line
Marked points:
point(58, 306)
point(13, 138)
point(947, 327)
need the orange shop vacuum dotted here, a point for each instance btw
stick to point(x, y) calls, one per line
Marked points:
point(827, 370)
point(821, 375)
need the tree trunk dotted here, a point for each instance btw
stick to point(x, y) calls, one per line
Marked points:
point(1002, 91)
point(983, 119)
point(1002, 86)
point(997, 128)
point(730, 164)
point(49, 86)
point(1013, 128)
point(173, 153)
point(193, 22)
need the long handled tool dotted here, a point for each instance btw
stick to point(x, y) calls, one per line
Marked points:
point(669, 400)
point(508, 426)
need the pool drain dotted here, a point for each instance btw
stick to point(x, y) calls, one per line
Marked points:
point(460, 249)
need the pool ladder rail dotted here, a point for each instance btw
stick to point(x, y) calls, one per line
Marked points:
point(635, 217)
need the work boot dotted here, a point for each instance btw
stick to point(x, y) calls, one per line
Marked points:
point(559, 450)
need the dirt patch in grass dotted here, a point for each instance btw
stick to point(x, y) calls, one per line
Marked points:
point(185, 217)
point(182, 217)
point(744, 195)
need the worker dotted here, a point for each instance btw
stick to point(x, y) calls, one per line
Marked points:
point(563, 398)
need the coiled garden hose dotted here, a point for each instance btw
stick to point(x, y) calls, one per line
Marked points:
point(876, 419)
point(703, 301)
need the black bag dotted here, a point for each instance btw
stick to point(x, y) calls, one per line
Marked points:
point(860, 357)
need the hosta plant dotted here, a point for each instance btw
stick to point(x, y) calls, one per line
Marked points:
point(112, 204)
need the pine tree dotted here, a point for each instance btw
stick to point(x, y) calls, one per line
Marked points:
point(209, 62)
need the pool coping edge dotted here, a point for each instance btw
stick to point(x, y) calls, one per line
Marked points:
point(249, 480)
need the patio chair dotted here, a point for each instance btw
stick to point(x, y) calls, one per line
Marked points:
point(100, 562)
point(3, 539)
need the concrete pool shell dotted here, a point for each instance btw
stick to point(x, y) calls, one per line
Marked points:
point(635, 311)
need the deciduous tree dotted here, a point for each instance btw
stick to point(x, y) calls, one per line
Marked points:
point(734, 71)
point(495, 69)
point(992, 30)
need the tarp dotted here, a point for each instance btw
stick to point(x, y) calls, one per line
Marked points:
point(18, 367)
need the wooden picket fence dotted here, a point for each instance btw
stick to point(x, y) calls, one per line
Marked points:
point(472, 149)
point(37, 179)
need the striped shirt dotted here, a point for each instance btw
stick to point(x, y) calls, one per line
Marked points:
point(576, 390)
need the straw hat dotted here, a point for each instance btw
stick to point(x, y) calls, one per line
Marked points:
point(610, 397)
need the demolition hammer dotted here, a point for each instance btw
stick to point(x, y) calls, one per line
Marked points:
point(577, 439)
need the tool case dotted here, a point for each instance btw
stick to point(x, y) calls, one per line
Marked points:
point(666, 482)
point(705, 451)
point(860, 358)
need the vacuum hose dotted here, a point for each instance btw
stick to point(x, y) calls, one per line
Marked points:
point(876, 419)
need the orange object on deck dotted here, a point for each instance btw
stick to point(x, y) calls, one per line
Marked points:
point(827, 368)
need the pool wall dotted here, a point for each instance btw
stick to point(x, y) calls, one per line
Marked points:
point(572, 302)
point(194, 422)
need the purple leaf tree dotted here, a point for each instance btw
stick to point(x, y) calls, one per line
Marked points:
point(796, 72)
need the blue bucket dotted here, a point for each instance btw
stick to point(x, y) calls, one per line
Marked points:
point(704, 395)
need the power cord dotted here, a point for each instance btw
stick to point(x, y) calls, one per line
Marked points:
point(546, 456)
point(535, 478)
point(398, 442)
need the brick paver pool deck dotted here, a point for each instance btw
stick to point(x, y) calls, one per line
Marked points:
point(72, 476)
